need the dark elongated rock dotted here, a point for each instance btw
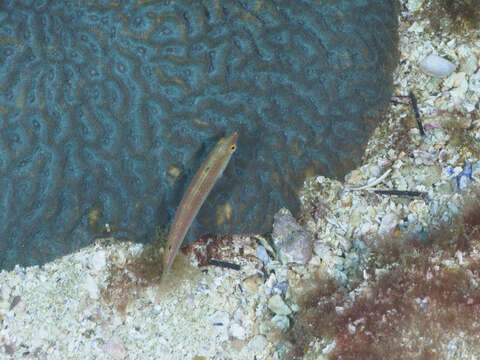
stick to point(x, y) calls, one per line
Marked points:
point(107, 109)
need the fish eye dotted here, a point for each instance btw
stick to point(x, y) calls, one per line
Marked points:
point(233, 148)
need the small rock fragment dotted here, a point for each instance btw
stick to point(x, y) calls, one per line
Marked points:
point(388, 224)
point(220, 317)
point(237, 331)
point(114, 347)
point(476, 170)
point(278, 306)
point(98, 261)
point(458, 84)
point(292, 242)
point(281, 321)
point(322, 250)
point(252, 283)
point(435, 65)
point(280, 287)
point(91, 286)
point(258, 344)
point(16, 299)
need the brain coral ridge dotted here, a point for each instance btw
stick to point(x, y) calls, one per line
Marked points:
point(107, 109)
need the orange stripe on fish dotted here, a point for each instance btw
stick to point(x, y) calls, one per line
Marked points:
point(197, 192)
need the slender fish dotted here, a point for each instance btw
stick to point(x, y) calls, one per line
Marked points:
point(196, 194)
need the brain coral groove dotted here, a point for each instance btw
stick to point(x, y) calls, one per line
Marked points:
point(107, 108)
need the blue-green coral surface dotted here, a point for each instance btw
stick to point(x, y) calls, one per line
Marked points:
point(107, 108)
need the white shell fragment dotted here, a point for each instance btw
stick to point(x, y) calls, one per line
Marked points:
point(281, 321)
point(278, 306)
point(237, 331)
point(263, 255)
point(435, 65)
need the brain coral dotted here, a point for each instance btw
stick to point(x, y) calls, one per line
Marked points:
point(107, 108)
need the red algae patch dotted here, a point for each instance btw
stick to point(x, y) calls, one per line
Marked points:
point(419, 300)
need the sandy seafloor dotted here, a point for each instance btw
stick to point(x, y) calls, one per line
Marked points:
point(99, 303)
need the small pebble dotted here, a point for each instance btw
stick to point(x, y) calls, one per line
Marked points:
point(278, 306)
point(388, 224)
point(237, 331)
point(435, 65)
point(281, 321)
point(98, 260)
point(292, 242)
point(258, 343)
point(322, 250)
point(252, 283)
point(91, 286)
